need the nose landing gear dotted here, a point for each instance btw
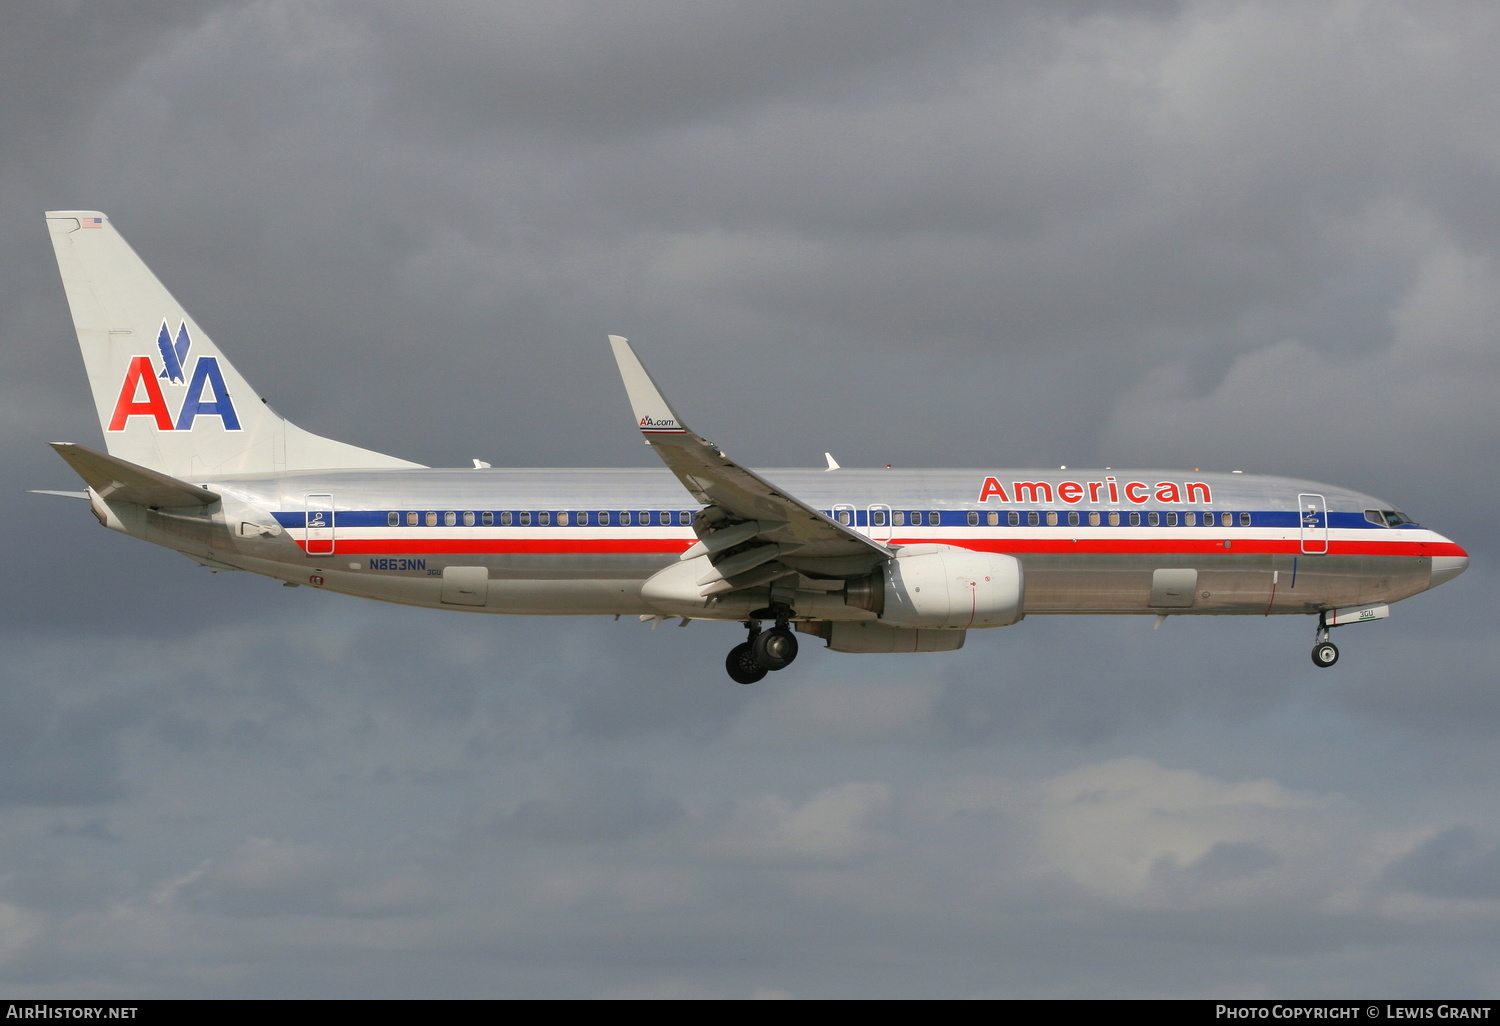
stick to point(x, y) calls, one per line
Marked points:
point(762, 652)
point(1325, 653)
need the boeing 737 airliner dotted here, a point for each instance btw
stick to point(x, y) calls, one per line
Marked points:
point(868, 561)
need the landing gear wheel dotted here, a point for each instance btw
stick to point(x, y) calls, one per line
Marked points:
point(1325, 653)
point(742, 665)
point(775, 649)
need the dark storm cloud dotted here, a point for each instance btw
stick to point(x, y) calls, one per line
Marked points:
point(611, 70)
point(56, 62)
point(57, 752)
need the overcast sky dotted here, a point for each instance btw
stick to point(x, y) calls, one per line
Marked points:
point(1230, 235)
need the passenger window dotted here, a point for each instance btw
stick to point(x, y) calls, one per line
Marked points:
point(992, 518)
point(643, 518)
point(1052, 518)
point(524, 518)
point(1154, 519)
point(411, 520)
point(973, 519)
point(1094, 519)
point(505, 518)
point(1244, 519)
point(934, 519)
point(1033, 518)
point(563, 519)
point(1013, 519)
point(877, 517)
point(393, 519)
point(1171, 519)
point(1114, 519)
point(544, 518)
point(1135, 520)
point(431, 519)
point(469, 518)
point(844, 517)
point(684, 518)
point(1226, 519)
point(449, 519)
point(1072, 518)
point(898, 518)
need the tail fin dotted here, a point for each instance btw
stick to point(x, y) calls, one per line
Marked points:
point(167, 398)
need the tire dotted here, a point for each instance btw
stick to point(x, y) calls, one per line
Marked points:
point(742, 665)
point(1325, 654)
point(775, 649)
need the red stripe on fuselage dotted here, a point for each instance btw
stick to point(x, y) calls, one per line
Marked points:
point(1232, 545)
point(499, 546)
point(1016, 546)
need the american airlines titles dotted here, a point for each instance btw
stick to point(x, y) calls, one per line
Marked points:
point(1108, 492)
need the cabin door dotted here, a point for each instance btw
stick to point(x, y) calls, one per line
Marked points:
point(317, 530)
point(1312, 511)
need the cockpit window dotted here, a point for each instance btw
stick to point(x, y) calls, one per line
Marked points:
point(1395, 518)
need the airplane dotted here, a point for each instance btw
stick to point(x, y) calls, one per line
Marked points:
point(871, 561)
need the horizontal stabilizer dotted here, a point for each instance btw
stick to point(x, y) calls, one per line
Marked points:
point(54, 491)
point(122, 481)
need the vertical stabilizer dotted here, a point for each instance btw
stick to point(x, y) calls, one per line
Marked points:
point(167, 399)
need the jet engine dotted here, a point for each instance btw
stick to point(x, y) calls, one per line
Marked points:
point(942, 586)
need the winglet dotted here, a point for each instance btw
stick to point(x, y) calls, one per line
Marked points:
point(652, 414)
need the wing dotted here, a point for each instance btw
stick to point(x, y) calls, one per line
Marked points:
point(752, 531)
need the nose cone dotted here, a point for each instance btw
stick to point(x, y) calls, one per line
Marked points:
point(1447, 567)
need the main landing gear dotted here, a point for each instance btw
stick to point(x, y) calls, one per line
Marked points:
point(762, 652)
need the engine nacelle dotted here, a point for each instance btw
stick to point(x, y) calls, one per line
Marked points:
point(943, 586)
point(872, 636)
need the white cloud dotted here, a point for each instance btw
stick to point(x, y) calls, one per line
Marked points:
point(834, 825)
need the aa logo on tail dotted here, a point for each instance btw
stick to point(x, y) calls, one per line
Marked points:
point(207, 380)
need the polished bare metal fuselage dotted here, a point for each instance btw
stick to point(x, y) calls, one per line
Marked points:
point(400, 536)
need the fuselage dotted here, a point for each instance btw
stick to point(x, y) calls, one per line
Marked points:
point(583, 541)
